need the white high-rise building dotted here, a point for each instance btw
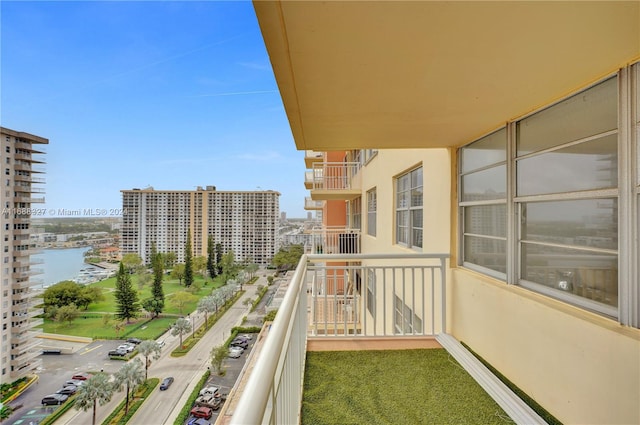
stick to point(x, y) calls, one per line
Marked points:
point(21, 154)
point(243, 222)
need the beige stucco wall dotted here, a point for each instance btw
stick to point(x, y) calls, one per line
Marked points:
point(380, 171)
point(583, 368)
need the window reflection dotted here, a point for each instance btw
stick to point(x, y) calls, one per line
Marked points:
point(590, 165)
point(586, 274)
point(587, 223)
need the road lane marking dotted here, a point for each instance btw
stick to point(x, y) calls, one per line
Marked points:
point(90, 349)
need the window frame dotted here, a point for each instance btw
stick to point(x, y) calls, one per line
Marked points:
point(626, 194)
point(409, 209)
point(372, 211)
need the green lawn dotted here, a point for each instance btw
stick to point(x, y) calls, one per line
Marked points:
point(393, 387)
point(90, 322)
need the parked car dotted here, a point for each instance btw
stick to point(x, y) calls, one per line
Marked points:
point(198, 421)
point(54, 399)
point(67, 390)
point(210, 390)
point(118, 352)
point(201, 412)
point(82, 376)
point(74, 382)
point(126, 347)
point(166, 383)
point(246, 337)
point(134, 341)
point(209, 400)
point(161, 343)
point(235, 352)
point(239, 343)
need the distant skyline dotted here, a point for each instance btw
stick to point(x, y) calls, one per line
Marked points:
point(172, 95)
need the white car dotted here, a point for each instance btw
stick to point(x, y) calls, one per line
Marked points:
point(235, 352)
point(127, 347)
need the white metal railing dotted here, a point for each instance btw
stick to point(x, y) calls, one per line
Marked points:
point(334, 175)
point(310, 204)
point(353, 296)
point(333, 240)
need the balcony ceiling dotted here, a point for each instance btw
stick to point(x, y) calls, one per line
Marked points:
point(421, 74)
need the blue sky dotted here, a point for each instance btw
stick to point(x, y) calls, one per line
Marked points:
point(130, 94)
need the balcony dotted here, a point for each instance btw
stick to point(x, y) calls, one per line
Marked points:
point(334, 181)
point(29, 179)
point(27, 273)
point(333, 240)
point(311, 205)
point(26, 368)
point(361, 302)
point(312, 157)
point(27, 346)
point(30, 147)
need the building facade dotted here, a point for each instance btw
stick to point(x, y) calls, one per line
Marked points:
point(513, 150)
point(21, 159)
point(243, 222)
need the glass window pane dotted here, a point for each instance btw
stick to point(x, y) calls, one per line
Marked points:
point(490, 220)
point(489, 253)
point(416, 197)
point(485, 185)
point(402, 200)
point(491, 149)
point(590, 165)
point(587, 223)
point(585, 274)
point(591, 112)
point(416, 177)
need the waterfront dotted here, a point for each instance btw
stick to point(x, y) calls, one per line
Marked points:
point(61, 264)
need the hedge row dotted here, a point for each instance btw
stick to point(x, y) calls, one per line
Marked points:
point(117, 417)
point(186, 409)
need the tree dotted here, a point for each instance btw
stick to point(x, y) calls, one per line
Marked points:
point(251, 268)
point(288, 257)
point(206, 305)
point(219, 258)
point(181, 299)
point(269, 280)
point(153, 306)
point(130, 376)
point(144, 277)
point(169, 259)
point(68, 292)
point(96, 389)
point(178, 272)
point(188, 266)
point(229, 267)
point(218, 354)
point(106, 318)
point(270, 316)
point(157, 292)
point(131, 261)
point(150, 349)
point(118, 327)
point(199, 265)
point(181, 327)
point(67, 313)
point(211, 258)
point(127, 305)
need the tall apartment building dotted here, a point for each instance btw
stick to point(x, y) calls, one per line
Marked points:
point(244, 222)
point(21, 154)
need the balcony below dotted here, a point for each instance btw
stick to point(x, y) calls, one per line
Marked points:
point(334, 181)
point(333, 240)
point(311, 157)
point(311, 205)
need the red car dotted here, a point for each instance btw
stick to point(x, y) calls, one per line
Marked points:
point(82, 376)
point(202, 412)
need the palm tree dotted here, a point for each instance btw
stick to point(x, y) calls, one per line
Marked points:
point(206, 305)
point(150, 349)
point(130, 375)
point(95, 389)
point(181, 327)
